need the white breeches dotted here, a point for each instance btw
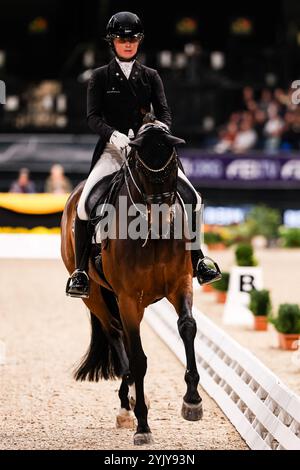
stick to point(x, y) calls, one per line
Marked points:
point(110, 161)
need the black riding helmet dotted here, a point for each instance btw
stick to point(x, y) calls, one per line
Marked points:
point(124, 24)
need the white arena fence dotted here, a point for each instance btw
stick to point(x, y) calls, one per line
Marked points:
point(262, 409)
point(29, 246)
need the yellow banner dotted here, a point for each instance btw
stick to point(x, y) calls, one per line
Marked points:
point(43, 203)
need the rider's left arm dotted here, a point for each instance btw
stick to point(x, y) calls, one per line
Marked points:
point(159, 100)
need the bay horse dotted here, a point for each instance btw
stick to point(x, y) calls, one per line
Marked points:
point(138, 272)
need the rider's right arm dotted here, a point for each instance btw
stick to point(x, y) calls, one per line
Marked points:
point(95, 93)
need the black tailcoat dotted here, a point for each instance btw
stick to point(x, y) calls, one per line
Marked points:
point(115, 103)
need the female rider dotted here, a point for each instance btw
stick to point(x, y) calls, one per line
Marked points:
point(119, 95)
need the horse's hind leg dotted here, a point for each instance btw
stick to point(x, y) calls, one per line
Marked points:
point(131, 316)
point(192, 402)
point(125, 418)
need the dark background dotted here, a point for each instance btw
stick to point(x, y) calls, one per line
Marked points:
point(70, 24)
point(193, 92)
point(273, 47)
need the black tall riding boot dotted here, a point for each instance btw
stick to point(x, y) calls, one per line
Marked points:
point(204, 268)
point(78, 283)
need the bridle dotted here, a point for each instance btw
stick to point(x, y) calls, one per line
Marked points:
point(158, 176)
point(153, 175)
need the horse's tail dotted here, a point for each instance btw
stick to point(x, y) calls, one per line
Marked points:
point(105, 359)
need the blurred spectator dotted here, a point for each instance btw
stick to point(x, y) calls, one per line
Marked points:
point(265, 100)
point(281, 97)
point(248, 94)
point(273, 128)
point(246, 137)
point(235, 118)
point(260, 118)
point(271, 123)
point(249, 103)
point(227, 137)
point(57, 182)
point(23, 184)
point(290, 139)
point(252, 106)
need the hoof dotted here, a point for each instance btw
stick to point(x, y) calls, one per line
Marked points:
point(192, 412)
point(143, 438)
point(125, 420)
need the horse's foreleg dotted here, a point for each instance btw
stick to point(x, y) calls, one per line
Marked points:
point(131, 317)
point(192, 402)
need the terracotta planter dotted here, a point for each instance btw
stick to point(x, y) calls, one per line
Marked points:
point(221, 297)
point(260, 323)
point(286, 341)
point(207, 288)
point(217, 246)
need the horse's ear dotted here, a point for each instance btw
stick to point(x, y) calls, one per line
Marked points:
point(137, 142)
point(172, 140)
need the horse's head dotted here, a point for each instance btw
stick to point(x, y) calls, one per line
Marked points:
point(156, 162)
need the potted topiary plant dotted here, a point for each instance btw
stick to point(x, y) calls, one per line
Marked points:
point(260, 306)
point(207, 288)
point(290, 237)
point(214, 241)
point(263, 221)
point(287, 323)
point(221, 287)
point(244, 255)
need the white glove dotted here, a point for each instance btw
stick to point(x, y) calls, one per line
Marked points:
point(120, 140)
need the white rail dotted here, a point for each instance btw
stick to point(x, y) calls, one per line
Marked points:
point(262, 409)
point(29, 246)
